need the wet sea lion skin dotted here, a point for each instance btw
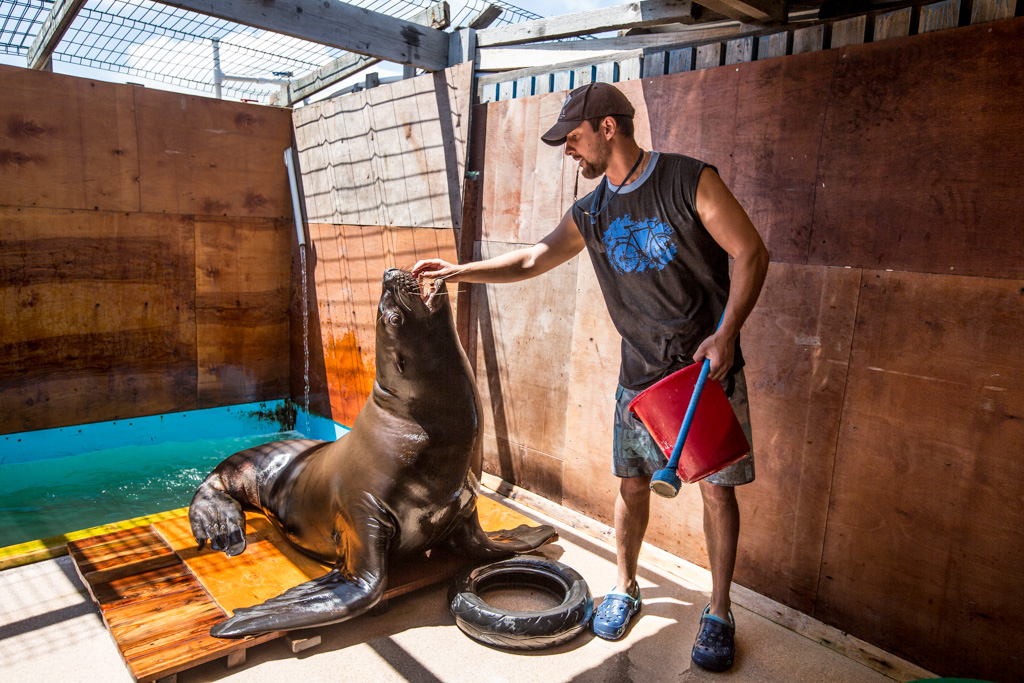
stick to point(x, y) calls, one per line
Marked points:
point(402, 481)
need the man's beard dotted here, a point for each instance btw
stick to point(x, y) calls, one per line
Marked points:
point(596, 168)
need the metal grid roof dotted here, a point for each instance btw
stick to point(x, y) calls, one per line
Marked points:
point(174, 46)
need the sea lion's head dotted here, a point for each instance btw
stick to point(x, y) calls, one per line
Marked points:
point(416, 336)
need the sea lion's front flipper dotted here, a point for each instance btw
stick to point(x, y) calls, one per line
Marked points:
point(355, 585)
point(470, 538)
point(334, 597)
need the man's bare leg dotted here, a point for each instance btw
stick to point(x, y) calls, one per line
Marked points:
point(721, 532)
point(632, 511)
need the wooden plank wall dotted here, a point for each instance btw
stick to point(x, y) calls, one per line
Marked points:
point(382, 174)
point(883, 358)
point(144, 251)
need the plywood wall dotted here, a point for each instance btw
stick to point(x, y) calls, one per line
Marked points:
point(883, 359)
point(382, 175)
point(144, 252)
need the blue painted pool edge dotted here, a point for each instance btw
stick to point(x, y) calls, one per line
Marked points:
point(246, 419)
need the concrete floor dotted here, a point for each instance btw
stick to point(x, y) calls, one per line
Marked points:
point(50, 630)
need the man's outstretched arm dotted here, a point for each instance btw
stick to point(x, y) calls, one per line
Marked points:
point(560, 245)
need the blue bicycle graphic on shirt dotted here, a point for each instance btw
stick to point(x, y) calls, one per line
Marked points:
point(636, 247)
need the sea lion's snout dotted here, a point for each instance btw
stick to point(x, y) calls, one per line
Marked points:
point(406, 289)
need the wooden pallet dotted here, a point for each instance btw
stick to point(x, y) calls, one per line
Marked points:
point(159, 595)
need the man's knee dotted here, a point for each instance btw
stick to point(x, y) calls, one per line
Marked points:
point(718, 497)
point(635, 489)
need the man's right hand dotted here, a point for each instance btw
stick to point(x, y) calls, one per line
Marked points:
point(437, 269)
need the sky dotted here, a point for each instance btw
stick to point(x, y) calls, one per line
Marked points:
point(546, 8)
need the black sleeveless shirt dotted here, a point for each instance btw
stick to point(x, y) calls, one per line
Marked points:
point(664, 278)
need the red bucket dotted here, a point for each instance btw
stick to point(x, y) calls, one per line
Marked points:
point(715, 440)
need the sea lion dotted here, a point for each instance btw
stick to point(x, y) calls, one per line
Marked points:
point(403, 481)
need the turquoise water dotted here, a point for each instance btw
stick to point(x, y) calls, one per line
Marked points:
point(44, 498)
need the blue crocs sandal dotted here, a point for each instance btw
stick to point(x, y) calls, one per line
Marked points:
point(614, 612)
point(715, 646)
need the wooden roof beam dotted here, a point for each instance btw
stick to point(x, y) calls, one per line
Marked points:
point(485, 17)
point(337, 24)
point(631, 15)
point(56, 24)
point(437, 16)
point(751, 11)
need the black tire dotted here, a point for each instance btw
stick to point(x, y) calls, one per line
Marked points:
point(522, 630)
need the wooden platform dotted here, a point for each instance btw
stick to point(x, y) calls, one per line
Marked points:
point(159, 595)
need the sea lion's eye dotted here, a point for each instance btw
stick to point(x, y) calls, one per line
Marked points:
point(394, 319)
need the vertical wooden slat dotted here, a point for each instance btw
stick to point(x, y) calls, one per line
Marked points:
point(582, 76)
point(654, 64)
point(939, 16)
point(739, 50)
point(524, 87)
point(990, 10)
point(605, 72)
point(680, 60)
point(709, 56)
point(489, 93)
point(850, 31)
point(629, 69)
point(561, 80)
point(542, 84)
point(895, 24)
point(809, 39)
point(774, 45)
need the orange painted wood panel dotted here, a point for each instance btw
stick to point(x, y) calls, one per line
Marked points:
point(67, 142)
point(242, 298)
point(920, 162)
point(921, 554)
point(99, 319)
point(210, 157)
point(797, 347)
point(268, 567)
point(347, 268)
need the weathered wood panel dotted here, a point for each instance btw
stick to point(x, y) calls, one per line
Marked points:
point(761, 127)
point(797, 347)
point(931, 436)
point(242, 298)
point(203, 156)
point(391, 155)
point(523, 387)
point(588, 484)
point(99, 319)
point(948, 164)
point(67, 143)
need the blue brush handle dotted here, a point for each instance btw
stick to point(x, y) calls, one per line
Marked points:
point(684, 429)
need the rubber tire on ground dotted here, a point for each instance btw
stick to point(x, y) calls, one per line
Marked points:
point(522, 630)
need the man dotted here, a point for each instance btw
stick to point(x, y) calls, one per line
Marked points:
point(659, 229)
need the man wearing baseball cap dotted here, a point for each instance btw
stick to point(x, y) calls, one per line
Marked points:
point(660, 229)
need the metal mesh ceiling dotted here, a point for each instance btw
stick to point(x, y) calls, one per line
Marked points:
point(174, 46)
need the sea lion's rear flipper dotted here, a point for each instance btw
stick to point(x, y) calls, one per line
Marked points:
point(355, 585)
point(470, 538)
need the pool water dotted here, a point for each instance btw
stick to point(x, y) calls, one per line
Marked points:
point(44, 498)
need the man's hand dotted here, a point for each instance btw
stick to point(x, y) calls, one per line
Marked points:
point(720, 349)
point(436, 268)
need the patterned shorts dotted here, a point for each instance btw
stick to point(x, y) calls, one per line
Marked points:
point(635, 454)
